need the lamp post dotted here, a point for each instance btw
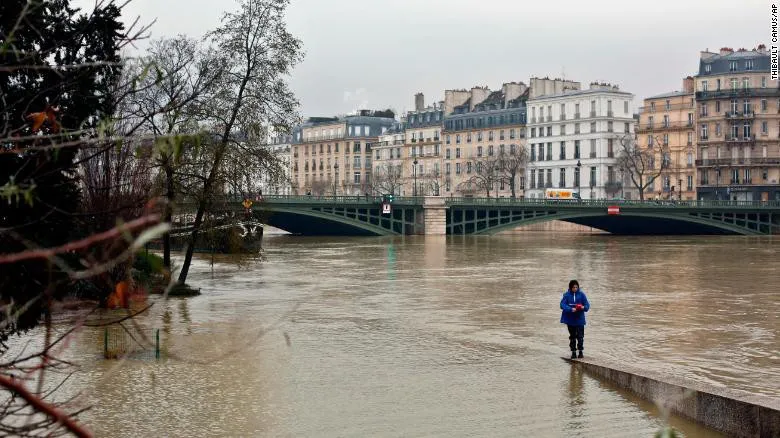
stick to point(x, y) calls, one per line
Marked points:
point(495, 177)
point(414, 172)
point(336, 180)
point(717, 182)
point(579, 182)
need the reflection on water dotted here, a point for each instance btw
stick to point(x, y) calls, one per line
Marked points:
point(431, 336)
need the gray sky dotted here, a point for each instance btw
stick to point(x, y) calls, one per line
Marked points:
point(378, 53)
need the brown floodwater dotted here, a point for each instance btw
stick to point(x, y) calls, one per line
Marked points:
point(413, 336)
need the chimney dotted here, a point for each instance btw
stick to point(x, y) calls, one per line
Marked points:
point(419, 102)
point(688, 84)
point(761, 48)
point(726, 51)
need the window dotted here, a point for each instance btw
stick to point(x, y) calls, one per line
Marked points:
point(490, 150)
point(479, 151)
point(733, 66)
point(549, 151)
point(357, 178)
point(746, 130)
point(734, 83)
point(562, 178)
point(703, 111)
point(457, 139)
point(652, 107)
point(549, 131)
point(576, 111)
point(593, 177)
point(468, 167)
point(533, 153)
point(764, 127)
point(690, 119)
point(447, 154)
point(627, 128)
point(479, 136)
point(576, 177)
point(448, 168)
point(690, 183)
point(541, 178)
point(468, 138)
point(609, 126)
point(541, 152)
point(533, 178)
point(336, 146)
point(563, 130)
point(457, 152)
point(593, 148)
point(563, 111)
point(745, 83)
point(749, 64)
point(717, 129)
point(704, 88)
point(511, 134)
point(666, 139)
point(576, 128)
point(576, 149)
point(533, 132)
point(625, 107)
point(563, 151)
point(549, 177)
point(446, 139)
point(610, 148)
point(457, 168)
point(502, 149)
point(704, 131)
point(501, 135)
point(763, 105)
point(707, 68)
point(490, 136)
point(592, 126)
point(356, 162)
point(649, 141)
point(690, 138)
point(763, 81)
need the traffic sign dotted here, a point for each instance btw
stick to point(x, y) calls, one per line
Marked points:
point(613, 210)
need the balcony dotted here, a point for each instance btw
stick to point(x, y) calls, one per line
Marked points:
point(740, 140)
point(563, 116)
point(549, 118)
point(741, 92)
point(740, 115)
point(734, 162)
point(592, 155)
point(593, 113)
point(610, 114)
point(576, 115)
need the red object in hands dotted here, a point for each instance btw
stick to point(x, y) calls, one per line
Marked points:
point(579, 306)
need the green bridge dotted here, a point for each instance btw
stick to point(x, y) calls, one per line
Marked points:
point(363, 215)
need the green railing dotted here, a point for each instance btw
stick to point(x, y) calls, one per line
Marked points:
point(612, 202)
point(409, 200)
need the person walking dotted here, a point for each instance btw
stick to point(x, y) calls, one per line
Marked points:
point(574, 304)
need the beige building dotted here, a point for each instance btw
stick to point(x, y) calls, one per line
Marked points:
point(667, 125)
point(332, 155)
point(738, 126)
point(480, 124)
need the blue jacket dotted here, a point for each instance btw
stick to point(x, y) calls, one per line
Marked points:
point(567, 303)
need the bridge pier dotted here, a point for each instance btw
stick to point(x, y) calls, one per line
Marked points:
point(435, 216)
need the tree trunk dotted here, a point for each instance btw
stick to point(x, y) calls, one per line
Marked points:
point(512, 186)
point(169, 194)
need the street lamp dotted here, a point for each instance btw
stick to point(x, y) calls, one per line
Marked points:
point(414, 172)
point(336, 180)
point(579, 181)
point(717, 182)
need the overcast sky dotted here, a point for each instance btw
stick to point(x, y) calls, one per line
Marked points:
point(379, 53)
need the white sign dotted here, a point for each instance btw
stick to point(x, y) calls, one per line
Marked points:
point(385, 208)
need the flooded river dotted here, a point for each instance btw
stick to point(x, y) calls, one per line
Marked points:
point(447, 337)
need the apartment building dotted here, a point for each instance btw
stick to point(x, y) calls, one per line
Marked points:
point(667, 126)
point(276, 180)
point(738, 124)
point(574, 137)
point(332, 155)
point(479, 125)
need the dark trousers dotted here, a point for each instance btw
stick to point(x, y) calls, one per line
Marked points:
point(576, 336)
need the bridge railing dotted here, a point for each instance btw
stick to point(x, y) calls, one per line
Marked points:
point(612, 202)
point(323, 199)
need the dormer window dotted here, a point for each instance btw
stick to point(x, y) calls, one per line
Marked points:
point(733, 65)
point(707, 68)
point(749, 64)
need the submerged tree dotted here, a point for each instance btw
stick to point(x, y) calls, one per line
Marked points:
point(639, 164)
point(251, 98)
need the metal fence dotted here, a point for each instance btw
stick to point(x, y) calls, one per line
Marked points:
point(121, 342)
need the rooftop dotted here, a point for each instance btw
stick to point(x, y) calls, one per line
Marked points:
point(568, 93)
point(671, 94)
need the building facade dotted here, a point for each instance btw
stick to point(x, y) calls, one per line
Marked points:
point(575, 136)
point(667, 126)
point(332, 155)
point(277, 181)
point(738, 124)
point(479, 126)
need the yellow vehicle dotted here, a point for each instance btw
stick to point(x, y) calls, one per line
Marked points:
point(563, 194)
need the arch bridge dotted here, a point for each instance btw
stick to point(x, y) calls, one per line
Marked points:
point(362, 215)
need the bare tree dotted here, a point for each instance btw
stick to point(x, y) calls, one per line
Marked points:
point(387, 179)
point(512, 164)
point(487, 173)
point(252, 97)
point(434, 181)
point(639, 164)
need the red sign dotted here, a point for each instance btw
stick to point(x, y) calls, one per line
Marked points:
point(613, 209)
